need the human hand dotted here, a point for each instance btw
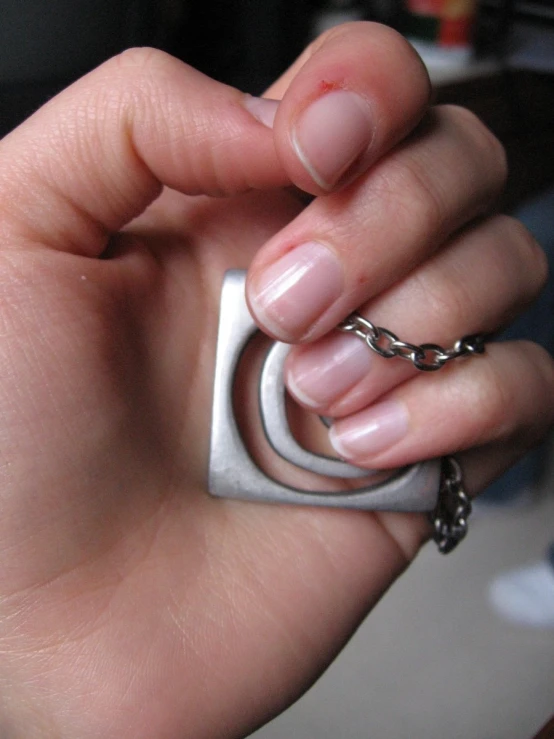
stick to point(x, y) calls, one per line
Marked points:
point(132, 604)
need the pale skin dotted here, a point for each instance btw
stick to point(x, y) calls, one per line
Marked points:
point(133, 605)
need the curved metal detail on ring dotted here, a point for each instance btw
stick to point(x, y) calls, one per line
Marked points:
point(274, 418)
point(233, 473)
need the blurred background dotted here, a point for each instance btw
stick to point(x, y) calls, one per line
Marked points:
point(437, 658)
point(494, 56)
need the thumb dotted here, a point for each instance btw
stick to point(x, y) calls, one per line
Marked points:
point(95, 156)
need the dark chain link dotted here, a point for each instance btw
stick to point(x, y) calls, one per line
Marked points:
point(449, 519)
point(424, 357)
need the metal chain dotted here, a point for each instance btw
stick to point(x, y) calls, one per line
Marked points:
point(424, 357)
point(449, 519)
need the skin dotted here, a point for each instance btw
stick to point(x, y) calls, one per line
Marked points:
point(128, 597)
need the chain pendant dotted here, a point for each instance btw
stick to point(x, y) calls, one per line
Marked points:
point(449, 519)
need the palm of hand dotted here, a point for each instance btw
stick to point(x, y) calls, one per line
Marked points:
point(137, 594)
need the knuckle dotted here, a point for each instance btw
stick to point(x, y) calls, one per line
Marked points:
point(536, 396)
point(408, 198)
point(548, 370)
point(493, 397)
point(517, 399)
point(531, 256)
point(444, 302)
point(425, 203)
point(336, 32)
point(134, 88)
point(329, 36)
point(375, 40)
point(140, 59)
point(142, 76)
point(543, 362)
point(350, 29)
point(487, 148)
point(456, 308)
point(125, 80)
point(390, 39)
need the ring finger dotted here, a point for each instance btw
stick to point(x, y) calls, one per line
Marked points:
point(477, 283)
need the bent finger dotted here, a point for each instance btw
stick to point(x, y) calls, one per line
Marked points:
point(95, 156)
point(355, 93)
point(478, 283)
point(352, 245)
point(505, 397)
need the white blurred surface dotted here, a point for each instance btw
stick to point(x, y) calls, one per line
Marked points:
point(432, 661)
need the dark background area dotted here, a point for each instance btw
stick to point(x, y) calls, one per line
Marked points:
point(248, 43)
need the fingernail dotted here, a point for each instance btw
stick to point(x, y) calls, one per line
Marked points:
point(331, 134)
point(370, 432)
point(263, 109)
point(296, 290)
point(322, 373)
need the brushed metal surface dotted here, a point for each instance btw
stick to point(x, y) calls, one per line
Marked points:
point(233, 473)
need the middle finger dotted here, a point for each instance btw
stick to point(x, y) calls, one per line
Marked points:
point(479, 282)
point(347, 247)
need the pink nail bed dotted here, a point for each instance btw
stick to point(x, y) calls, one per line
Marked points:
point(296, 290)
point(263, 109)
point(331, 134)
point(371, 431)
point(325, 371)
